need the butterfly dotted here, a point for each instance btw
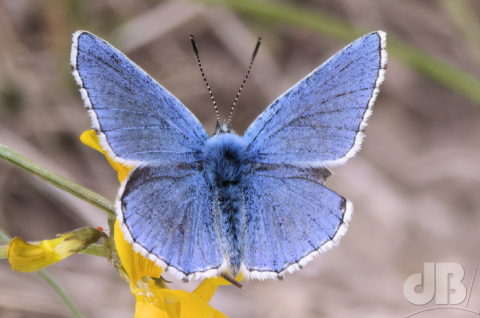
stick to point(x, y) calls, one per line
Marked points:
point(200, 205)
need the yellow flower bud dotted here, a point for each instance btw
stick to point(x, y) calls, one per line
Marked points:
point(29, 257)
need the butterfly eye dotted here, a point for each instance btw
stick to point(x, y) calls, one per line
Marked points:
point(222, 128)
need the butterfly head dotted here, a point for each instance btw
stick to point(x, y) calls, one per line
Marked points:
point(223, 128)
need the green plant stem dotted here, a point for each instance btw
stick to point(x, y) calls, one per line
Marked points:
point(56, 180)
point(60, 292)
point(48, 279)
point(96, 250)
point(4, 237)
point(444, 73)
point(463, 15)
point(277, 12)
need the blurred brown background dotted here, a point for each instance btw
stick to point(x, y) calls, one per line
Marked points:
point(414, 185)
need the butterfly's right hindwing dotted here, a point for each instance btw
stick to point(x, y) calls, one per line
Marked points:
point(290, 217)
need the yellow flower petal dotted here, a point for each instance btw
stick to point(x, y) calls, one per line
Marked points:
point(90, 139)
point(154, 301)
point(209, 286)
point(26, 257)
point(146, 309)
point(136, 266)
point(181, 304)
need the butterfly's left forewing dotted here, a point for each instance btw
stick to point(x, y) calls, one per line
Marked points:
point(136, 118)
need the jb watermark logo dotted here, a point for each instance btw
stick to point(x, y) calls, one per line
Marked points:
point(441, 286)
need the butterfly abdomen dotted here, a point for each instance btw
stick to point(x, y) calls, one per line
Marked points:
point(224, 166)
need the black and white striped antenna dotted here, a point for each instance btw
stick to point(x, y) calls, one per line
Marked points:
point(195, 50)
point(254, 54)
point(226, 126)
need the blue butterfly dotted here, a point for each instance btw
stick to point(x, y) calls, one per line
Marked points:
point(256, 204)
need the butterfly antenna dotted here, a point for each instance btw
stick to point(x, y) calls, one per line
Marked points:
point(195, 50)
point(255, 51)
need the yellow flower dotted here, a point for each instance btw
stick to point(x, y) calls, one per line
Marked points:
point(90, 139)
point(153, 298)
point(26, 257)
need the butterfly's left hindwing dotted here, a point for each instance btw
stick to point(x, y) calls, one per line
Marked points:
point(167, 212)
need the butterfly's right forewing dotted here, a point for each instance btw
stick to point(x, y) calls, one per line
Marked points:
point(320, 120)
